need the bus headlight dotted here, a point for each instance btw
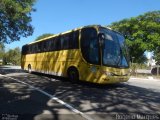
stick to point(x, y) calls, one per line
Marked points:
point(108, 73)
point(112, 74)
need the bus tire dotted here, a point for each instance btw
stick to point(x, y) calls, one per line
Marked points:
point(29, 69)
point(73, 74)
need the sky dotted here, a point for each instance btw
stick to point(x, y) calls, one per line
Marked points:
point(55, 16)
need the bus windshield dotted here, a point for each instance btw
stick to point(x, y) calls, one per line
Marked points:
point(114, 52)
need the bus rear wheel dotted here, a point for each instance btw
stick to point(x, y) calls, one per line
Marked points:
point(29, 69)
point(73, 74)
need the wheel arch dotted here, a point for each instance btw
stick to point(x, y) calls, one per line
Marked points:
point(75, 68)
point(29, 68)
point(72, 67)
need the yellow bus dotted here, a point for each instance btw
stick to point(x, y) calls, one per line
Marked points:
point(92, 53)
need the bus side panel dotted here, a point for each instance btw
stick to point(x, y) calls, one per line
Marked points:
point(69, 58)
point(55, 63)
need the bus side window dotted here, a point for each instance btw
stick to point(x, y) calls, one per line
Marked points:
point(32, 49)
point(50, 43)
point(74, 40)
point(62, 39)
point(39, 47)
point(25, 50)
point(57, 43)
point(65, 41)
point(44, 46)
point(29, 49)
point(35, 48)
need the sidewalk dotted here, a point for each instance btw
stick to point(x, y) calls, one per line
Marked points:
point(145, 78)
point(143, 71)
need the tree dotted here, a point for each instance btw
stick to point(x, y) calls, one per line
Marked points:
point(15, 18)
point(13, 56)
point(142, 33)
point(157, 55)
point(44, 36)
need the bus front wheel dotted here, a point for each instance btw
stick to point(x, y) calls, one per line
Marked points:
point(73, 74)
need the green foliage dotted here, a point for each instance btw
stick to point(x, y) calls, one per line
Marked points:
point(157, 55)
point(43, 36)
point(142, 33)
point(15, 18)
point(13, 56)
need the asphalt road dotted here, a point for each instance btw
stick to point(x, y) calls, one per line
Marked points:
point(40, 97)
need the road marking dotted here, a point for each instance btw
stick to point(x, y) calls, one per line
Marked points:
point(52, 97)
point(16, 74)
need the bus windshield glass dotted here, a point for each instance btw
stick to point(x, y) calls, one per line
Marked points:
point(114, 52)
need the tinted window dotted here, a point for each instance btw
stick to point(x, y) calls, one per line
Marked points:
point(74, 43)
point(90, 45)
point(51, 45)
point(70, 40)
point(31, 47)
point(65, 41)
point(57, 43)
point(25, 50)
point(45, 46)
point(39, 47)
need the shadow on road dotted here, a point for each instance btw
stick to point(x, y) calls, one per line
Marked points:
point(98, 101)
point(20, 101)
